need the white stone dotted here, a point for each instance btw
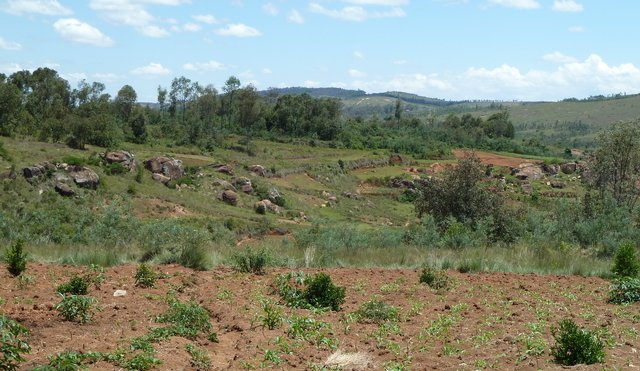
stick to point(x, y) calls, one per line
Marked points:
point(119, 293)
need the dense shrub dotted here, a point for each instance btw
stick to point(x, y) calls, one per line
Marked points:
point(377, 312)
point(145, 276)
point(16, 258)
point(13, 344)
point(625, 290)
point(76, 308)
point(75, 286)
point(626, 262)
point(187, 319)
point(250, 261)
point(317, 291)
point(575, 345)
point(436, 279)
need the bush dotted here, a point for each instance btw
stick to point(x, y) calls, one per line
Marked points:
point(436, 279)
point(575, 345)
point(187, 319)
point(76, 286)
point(76, 307)
point(13, 344)
point(116, 169)
point(625, 290)
point(16, 258)
point(145, 276)
point(377, 312)
point(249, 261)
point(310, 292)
point(626, 262)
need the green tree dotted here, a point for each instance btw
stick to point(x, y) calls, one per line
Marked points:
point(183, 92)
point(616, 162)
point(125, 102)
point(139, 126)
point(398, 111)
point(10, 106)
point(626, 262)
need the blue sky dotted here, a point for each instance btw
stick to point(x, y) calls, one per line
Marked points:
point(452, 49)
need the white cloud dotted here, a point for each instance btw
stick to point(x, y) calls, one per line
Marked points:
point(356, 73)
point(378, 2)
point(417, 82)
point(133, 13)
point(80, 32)
point(356, 13)
point(9, 45)
point(44, 7)
point(358, 54)
point(152, 69)
point(238, 30)
point(558, 57)
point(576, 29)
point(519, 4)
point(295, 17)
point(567, 6)
point(205, 18)
point(270, 9)
point(204, 66)
point(187, 27)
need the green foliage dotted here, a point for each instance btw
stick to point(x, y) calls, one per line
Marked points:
point(320, 292)
point(626, 262)
point(377, 312)
point(16, 258)
point(74, 160)
point(436, 279)
point(116, 168)
point(625, 290)
point(199, 358)
point(311, 330)
point(77, 285)
point(187, 319)
point(145, 276)
point(68, 361)
point(272, 317)
point(141, 362)
point(250, 261)
point(76, 308)
point(317, 291)
point(13, 343)
point(575, 345)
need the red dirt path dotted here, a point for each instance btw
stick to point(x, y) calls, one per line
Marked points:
point(483, 321)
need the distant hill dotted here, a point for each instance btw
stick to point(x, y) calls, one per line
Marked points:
point(318, 92)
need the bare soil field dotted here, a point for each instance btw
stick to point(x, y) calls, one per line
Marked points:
point(485, 320)
point(495, 159)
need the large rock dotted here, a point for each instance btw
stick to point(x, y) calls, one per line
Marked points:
point(222, 168)
point(528, 172)
point(267, 205)
point(247, 188)
point(402, 183)
point(160, 178)
point(240, 181)
point(84, 177)
point(258, 170)
point(64, 189)
point(569, 167)
point(274, 194)
point(396, 159)
point(229, 197)
point(35, 171)
point(169, 167)
point(551, 169)
point(121, 157)
point(224, 184)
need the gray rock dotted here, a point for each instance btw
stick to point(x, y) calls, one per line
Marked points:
point(119, 293)
point(229, 197)
point(84, 177)
point(64, 189)
point(241, 181)
point(224, 169)
point(169, 167)
point(528, 172)
point(247, 188)
point(569, 167)
point(273, 194)
point(224, 184)
point(258, 170)
point(160, 178)
point(552, 169)
point(34, 171)
point(557, 184)
point(122, 157)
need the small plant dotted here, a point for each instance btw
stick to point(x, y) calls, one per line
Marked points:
point(13, 344)
point(76, 308)
point(24, 280)
point(145, 276)
point(76, 286)
point(470, 266)
point(311, 330)
point(377, 312)
point(626, 262)
point(141, 362)
point(309, 292)
point(272, 317)
point(116, 169)
point(70, 361)
point(16, 258)
point(625, 290)
point(436, 279)
point(187, 319)
point(575, 345)
point(199, 358)
point(249, 261)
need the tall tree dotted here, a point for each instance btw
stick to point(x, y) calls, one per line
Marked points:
point(162, 100)
point(124, 103)
point(183, 91)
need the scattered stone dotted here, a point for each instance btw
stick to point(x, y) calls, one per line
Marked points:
point(229, 197)
point(84, 177)
point(569, 167)
point(64, 189)
point(552, 169)
point(258, 170)
point(396, 159)
point(332, 198)
point(122, 157)
point(119, 293)
point(166, 166)
point(352, 195)
point(240, 181)
point(267, 205)
point(402, 183)
point(224, 169)
point(35, 171)
point(247, 188)
point(160, 178)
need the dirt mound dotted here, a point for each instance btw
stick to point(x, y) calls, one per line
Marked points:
point(496, 320)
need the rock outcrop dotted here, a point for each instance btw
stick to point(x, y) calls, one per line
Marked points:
point(166, 166)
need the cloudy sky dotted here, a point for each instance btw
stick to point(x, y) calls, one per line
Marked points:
point(452, 49)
